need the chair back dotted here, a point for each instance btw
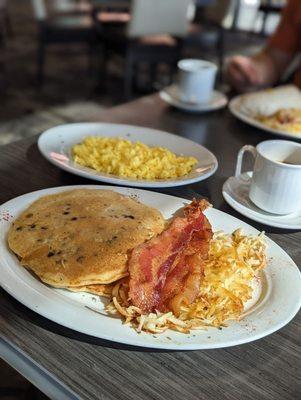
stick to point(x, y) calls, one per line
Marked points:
point(46, 8)
point(152, 17)
point(61, 6)
point(39, 9)
point(3, 4)
point(220, 11)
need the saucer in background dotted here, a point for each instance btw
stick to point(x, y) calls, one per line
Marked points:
point(171, 95)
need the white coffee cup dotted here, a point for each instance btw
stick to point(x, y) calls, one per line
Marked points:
point(196, 80)
point(276, 182)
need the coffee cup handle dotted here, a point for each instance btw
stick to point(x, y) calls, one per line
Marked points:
point(239, 161)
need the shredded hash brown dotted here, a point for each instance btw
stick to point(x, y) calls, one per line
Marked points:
point(234, 261)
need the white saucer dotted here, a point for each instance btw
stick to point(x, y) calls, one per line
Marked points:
point(170, 94)
point(236, 194)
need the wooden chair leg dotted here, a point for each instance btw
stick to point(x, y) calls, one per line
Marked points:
point(8, 26)
point(153, 75)
point(102, 58)
point(2, 31)
point(3, 82)
point(220, 52)
point(41, 62)
point(91, 59)
point(128, 75)
point(173, 72)
point(264, 22)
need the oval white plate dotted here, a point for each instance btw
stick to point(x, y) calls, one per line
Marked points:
point(277, 298)
point(234, 107)
point(55, 144)
point(170, 95)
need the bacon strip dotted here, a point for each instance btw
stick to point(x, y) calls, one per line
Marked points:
point(166, 271)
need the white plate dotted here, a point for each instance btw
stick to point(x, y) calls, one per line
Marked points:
point(277, 298)
point(170, 94)
point(55, 144)
point(235, 108)
point(236, 194)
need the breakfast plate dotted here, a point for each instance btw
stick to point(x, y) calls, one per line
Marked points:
point(276, 300)
point(55, 145)
point(170, 95)
point(236, 110)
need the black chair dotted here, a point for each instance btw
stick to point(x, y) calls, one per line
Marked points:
point(60, 28)
point(207, 32)
point(206, 37)
point(2, 47)
point(152, 35)
point(5, 21)
point(266, 8)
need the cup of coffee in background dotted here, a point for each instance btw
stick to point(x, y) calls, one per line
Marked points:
point(196, 80)
point(275, 185)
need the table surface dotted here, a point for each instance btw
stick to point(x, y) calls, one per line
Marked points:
point(96, 369)
point(127, 3)
point(111, 3)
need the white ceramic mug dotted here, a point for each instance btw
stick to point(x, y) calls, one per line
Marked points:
point(276, 182)
point(196, 80)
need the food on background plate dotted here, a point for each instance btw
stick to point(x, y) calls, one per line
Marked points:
point(278, 108)
point(125, 159)
point(82, 237)
point(268, 101)
point(159, 274)
point(287, 120)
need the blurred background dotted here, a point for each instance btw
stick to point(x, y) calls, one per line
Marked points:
point(68, 60)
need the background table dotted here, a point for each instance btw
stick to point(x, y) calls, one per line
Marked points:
point(127, 3)
point(67, 364)
point(111, 4)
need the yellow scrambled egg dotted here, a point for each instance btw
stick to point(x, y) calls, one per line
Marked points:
point(131, 160)
point(285, 120)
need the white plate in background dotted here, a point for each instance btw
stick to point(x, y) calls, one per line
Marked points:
point(235, 108)
point(55, 145)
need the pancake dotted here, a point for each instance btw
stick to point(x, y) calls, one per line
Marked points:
point(99, 290)
point(82, 237)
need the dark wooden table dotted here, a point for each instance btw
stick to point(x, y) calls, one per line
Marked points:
point(89, 368)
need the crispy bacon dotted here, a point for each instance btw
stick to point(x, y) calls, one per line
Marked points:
point(166, 271)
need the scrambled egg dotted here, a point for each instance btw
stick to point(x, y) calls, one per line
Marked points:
point(131, 160)
point(286, 120)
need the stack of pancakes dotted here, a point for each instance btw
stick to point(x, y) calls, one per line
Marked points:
point(81, 239)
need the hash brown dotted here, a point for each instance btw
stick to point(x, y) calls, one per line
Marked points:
point(99, 290)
